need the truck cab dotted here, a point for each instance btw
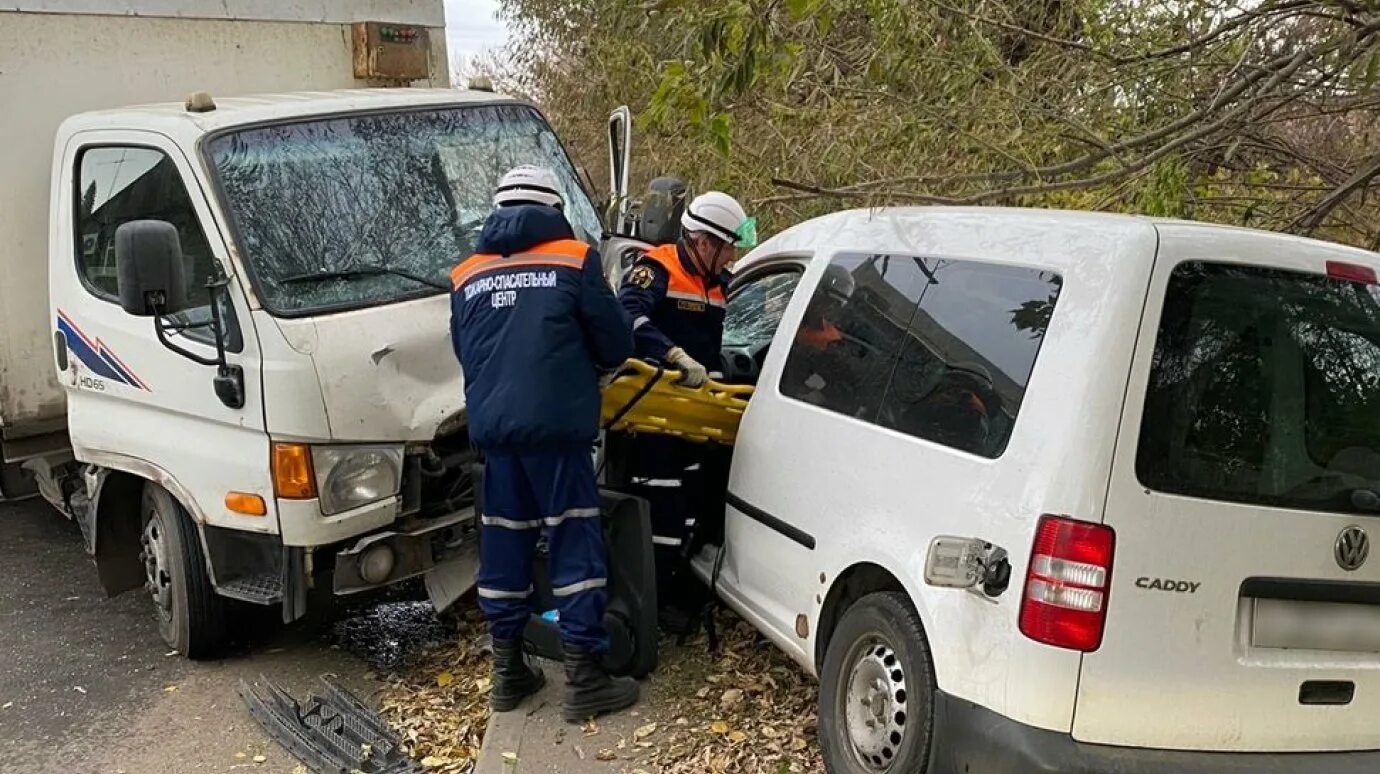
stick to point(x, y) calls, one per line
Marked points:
point(249, 310)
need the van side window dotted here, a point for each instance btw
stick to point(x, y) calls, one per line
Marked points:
point(968, 354)
point(1265, 389)
point(119, 184)
point(846, 346)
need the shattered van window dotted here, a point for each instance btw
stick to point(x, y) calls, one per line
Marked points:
point(360, 210)
point(755, 310)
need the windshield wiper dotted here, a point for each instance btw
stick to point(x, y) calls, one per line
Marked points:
point(355, 272)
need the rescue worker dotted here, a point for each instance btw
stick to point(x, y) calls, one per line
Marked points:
point(674, 294)
point(819, 347)
point(534, 324)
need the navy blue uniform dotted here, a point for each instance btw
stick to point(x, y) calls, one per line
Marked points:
point(533, 323)
point(672, 305)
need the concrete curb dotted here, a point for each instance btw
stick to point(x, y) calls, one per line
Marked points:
point(504, 735)
point(544, 743)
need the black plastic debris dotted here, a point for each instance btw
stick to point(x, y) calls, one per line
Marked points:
point(390, 636)
point(333, 733)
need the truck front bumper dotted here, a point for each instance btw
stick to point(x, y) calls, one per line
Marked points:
point(301, 523)
point(410, 549)
point(969, 738)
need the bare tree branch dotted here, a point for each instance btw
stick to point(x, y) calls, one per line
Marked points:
point(1310, 220)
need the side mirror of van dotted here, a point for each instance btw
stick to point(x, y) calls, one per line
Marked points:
point(148, 266)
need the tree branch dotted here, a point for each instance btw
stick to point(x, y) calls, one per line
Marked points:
point(1362, 178)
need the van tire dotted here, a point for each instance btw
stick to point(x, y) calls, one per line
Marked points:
point(191, 617)
point(877, 661)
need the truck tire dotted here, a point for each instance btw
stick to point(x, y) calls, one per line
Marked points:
point(876, 697)
point(191, 617)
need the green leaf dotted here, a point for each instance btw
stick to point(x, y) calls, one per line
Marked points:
point(733, 42)
point(720, 131)
point(1372, 68)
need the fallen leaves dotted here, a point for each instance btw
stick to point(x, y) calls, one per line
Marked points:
point(748, 710)
point(440, 705)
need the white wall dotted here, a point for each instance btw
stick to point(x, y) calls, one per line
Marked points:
point(426, 13)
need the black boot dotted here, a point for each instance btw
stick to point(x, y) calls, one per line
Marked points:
point(589, 690)
point(514, 679)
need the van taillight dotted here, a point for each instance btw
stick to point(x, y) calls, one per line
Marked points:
point(1066, 583)
point(1352, 272)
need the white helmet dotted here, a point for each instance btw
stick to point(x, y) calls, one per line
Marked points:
point(716, 213)
point(528, 184)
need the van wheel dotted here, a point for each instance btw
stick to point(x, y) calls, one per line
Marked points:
point(876, 698)
point(190, 615)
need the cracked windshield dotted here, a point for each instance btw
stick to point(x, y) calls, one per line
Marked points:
point(362, 210)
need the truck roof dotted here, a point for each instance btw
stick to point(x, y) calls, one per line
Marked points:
point(258, 108)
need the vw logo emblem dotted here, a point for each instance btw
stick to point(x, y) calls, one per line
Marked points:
point(1352, 548)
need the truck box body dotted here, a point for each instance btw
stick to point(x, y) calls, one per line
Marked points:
point(61, 58)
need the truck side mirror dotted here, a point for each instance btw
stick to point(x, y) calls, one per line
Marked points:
point(148, 266)
point(620, 159)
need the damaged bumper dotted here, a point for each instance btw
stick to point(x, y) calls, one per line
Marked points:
point(413, 548)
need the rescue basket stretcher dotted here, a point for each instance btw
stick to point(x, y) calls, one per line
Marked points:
point(646, 399)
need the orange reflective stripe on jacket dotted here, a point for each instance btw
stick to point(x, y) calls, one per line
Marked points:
point(569, 253)
point(684, 285)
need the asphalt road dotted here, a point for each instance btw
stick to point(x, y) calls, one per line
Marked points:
point(87, 687)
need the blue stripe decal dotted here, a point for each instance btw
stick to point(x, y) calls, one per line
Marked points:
point(101, 362)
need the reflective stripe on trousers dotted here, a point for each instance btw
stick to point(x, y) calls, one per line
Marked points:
point(663, 483)
point(524, 497)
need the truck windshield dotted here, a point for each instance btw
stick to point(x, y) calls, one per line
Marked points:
point(351, 211)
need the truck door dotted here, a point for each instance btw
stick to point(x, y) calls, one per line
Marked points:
point(132, 403)
point(1243, 613)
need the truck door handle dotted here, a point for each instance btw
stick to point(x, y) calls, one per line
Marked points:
point(60, 349)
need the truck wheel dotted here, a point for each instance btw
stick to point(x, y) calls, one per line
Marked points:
point(190, 615)
point(877, 689)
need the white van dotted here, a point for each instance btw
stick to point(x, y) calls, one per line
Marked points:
point(1041, 491)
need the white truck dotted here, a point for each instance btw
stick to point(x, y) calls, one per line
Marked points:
point(224, 348)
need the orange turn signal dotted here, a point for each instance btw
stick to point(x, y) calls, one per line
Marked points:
point(292, 473)
point(246, 504)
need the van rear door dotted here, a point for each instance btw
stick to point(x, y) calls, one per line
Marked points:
point(1244, 614)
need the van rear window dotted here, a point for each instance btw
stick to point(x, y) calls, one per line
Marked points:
point(1265, 389)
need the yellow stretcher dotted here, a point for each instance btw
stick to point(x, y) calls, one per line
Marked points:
point(645, 400)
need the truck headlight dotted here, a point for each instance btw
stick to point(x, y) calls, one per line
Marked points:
point(351, 476)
